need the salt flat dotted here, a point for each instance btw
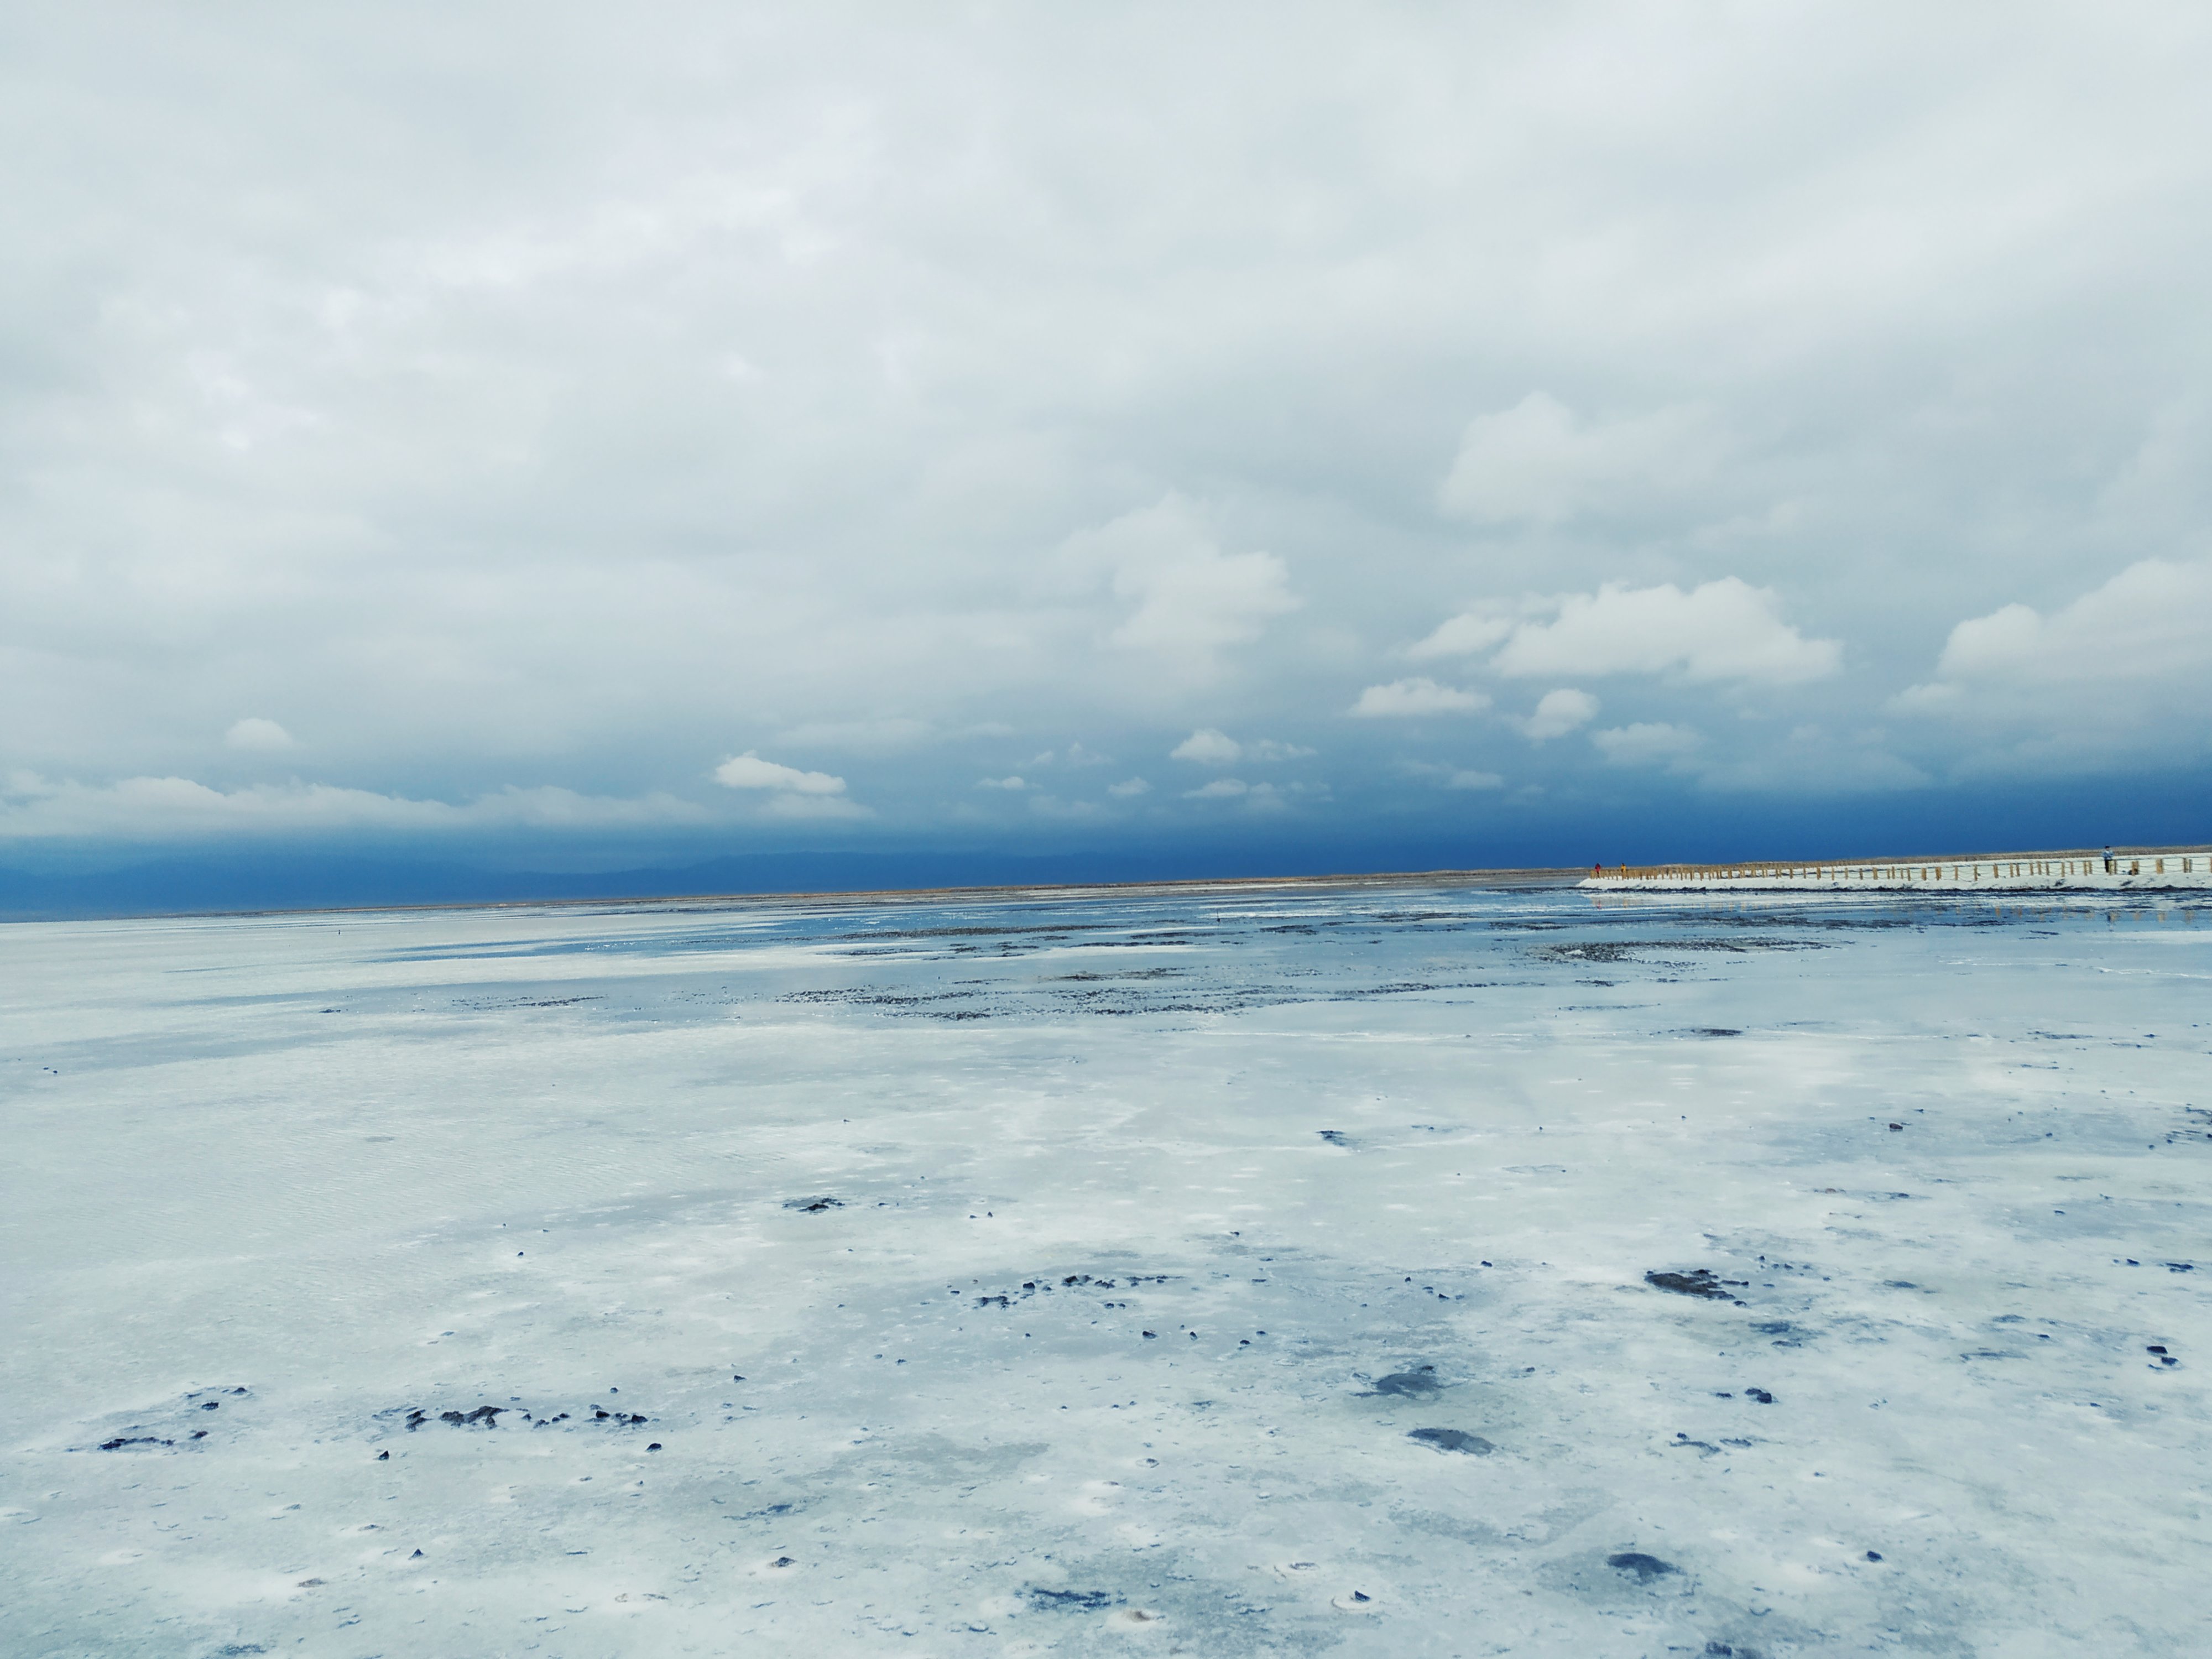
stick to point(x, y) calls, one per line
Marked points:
point(1227, 1272)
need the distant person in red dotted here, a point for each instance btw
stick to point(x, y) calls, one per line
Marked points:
point(1597, 869)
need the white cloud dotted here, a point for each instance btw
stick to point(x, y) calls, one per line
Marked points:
point(1559, 712)
point(1417, 697)
point(1220, 789)
point(256, 733)
point(1128, 788)
point(2151, 624)
point(778, 410)
point(2122, 670)
point(1720, 631)
point(1536, 462)
point(749, 771)
point(1466, 779)
point(1002, 783)
point(1191, 599)
point(1463, 635)
point(150, 809)
point(1076, 756)
point(1646, 744)
point(1453, 777)
point(1208, 748)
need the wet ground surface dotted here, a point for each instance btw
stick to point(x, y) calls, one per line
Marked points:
point(1433, 1271)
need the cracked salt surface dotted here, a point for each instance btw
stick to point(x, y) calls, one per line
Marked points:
point(1354, 1270)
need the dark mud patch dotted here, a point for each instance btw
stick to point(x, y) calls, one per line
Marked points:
point(1644, 1568)
point(1452, 1440)
point(1698, 1282)
point(1072, 1601)
point(1419, 1383)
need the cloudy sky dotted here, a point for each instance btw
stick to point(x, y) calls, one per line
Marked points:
point(640, 433)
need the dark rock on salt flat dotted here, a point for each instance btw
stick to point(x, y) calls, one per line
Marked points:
point(486, 1415)
point(1452, 1440)
point(1645, 1567)
point(1699, 1281)
point(813, 1206)
point(1415, 1385)
point(1760, 1396)
point(1083, 1600)
point(1335, 1137)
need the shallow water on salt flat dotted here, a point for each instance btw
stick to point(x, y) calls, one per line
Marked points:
point(1218, 1272)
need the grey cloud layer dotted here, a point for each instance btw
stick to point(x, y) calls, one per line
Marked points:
point(461, 410)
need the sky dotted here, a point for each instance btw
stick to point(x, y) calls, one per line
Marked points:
point(571, 438)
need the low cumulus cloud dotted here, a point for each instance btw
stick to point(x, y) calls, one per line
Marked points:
point(1015, 782)
point(1647, 743)
point(1723, 631)
point(151, 809)
point(257, 734)
point(1559, 712)
point(749, 771)
point(2149, 627)
point(1537, 462)
point(1463, 635)
point(1128, 788)
point(1074, 756)
point(1208, 746)
point(791, 792)
point(1190, 599)
point(1417, 697)
point(2122, 670)
point(1453, 777)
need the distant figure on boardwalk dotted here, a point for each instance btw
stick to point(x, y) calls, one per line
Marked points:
point(2108, 860)
point(1597, 869)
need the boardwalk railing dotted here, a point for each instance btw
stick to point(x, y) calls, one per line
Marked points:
point(1962, 872)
